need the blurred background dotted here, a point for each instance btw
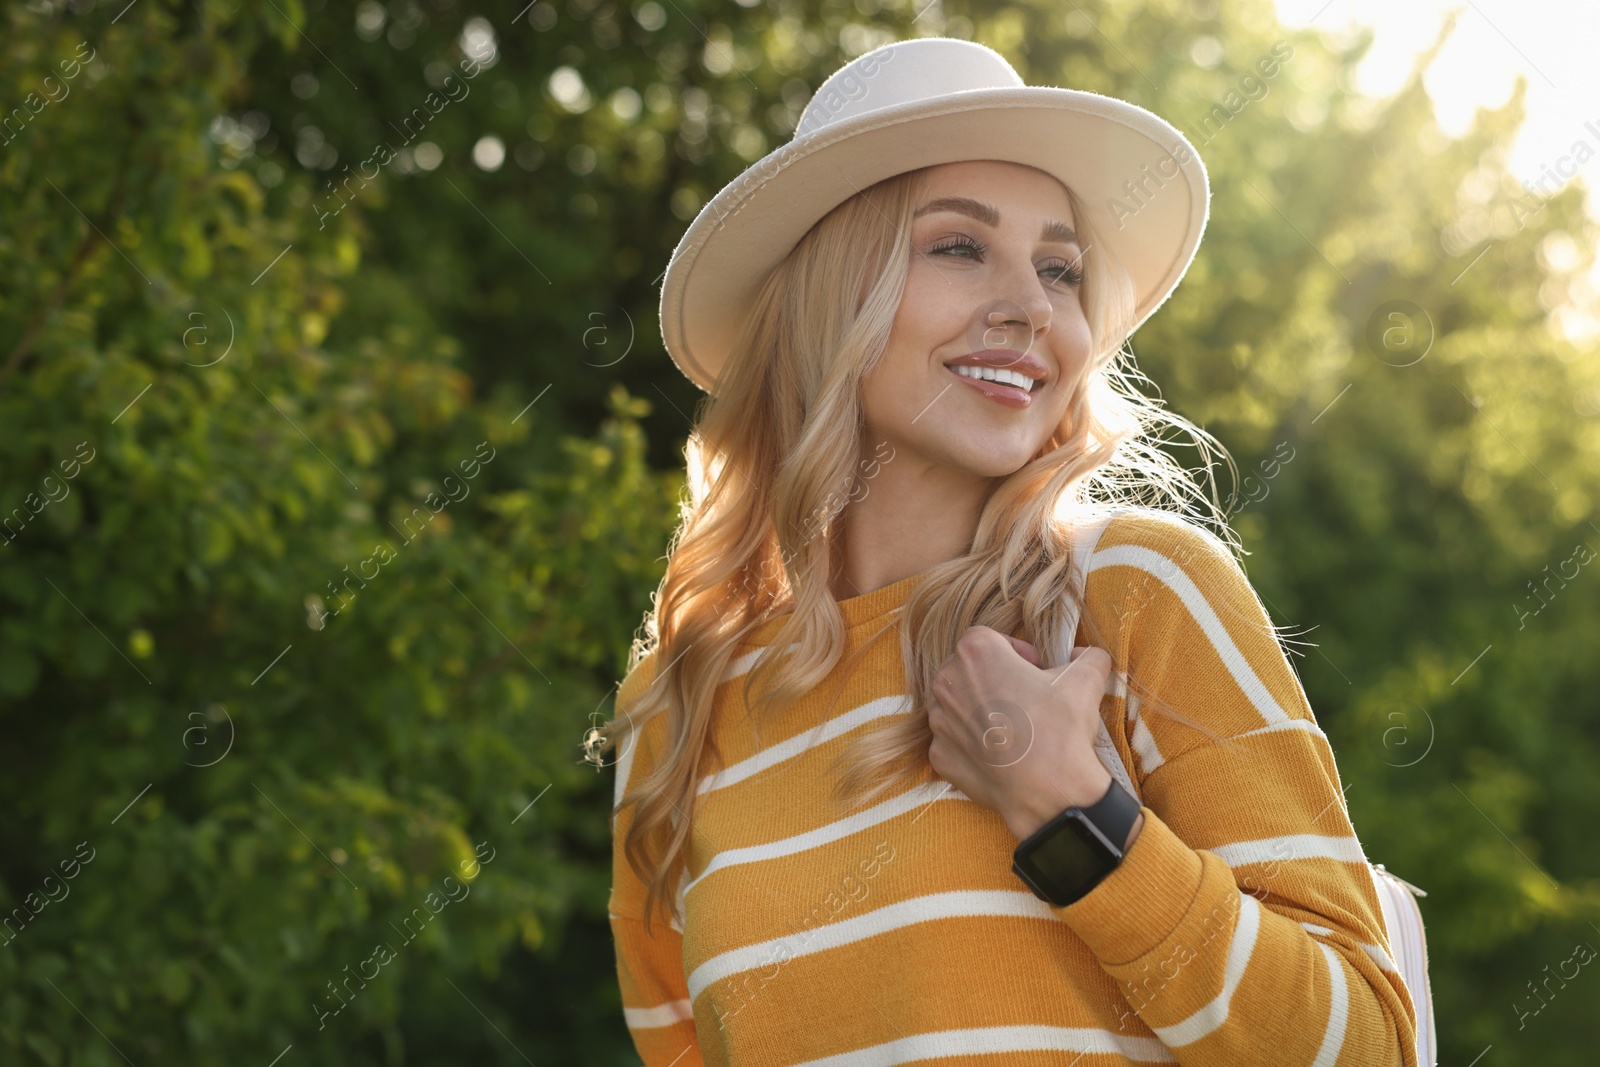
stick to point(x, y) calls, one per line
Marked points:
point(339, 452)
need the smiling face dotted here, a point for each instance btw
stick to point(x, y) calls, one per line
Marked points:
point(995, 268)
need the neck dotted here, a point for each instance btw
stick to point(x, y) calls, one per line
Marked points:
point(913, 515)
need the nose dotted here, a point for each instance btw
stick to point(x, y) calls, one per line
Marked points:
point(1020, 316)
point(1005, 323)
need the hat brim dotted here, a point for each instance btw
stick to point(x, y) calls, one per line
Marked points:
point(1094, 144)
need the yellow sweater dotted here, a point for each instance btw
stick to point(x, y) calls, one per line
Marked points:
point(1242, 928)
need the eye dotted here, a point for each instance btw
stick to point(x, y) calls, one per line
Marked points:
point(1071, 273)
point(962, 241)
point(1056, 271)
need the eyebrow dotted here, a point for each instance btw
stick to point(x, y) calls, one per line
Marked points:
point(1053, 229)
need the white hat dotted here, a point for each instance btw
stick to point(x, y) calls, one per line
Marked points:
point(913, 104)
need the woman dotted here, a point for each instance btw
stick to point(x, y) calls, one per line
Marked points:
point(860, 814)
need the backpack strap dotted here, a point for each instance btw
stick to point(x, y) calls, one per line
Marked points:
point(1402, 919)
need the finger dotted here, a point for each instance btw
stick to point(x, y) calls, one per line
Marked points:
point(1079, 650)
point(1097, 658)
point(1072, 657)
point(950, 720)
point(1025, 650)
point(1094, 667)
point(956, 692)
point(1091, 658)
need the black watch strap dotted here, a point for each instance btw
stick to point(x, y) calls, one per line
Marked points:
point(1114, 814)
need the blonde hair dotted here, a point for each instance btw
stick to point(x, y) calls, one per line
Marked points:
point(767, 458)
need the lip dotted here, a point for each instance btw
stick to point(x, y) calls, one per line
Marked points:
point(1002, 359)
point(1023, 363)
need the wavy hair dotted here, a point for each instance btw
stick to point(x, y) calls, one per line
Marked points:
point(769, 461)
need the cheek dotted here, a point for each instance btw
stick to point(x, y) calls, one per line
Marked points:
point(1071, 346)
point(883, 390)
point(904, 370)
point(1073, 341)
point(931, 317)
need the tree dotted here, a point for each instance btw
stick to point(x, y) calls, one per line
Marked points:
point(340, 453)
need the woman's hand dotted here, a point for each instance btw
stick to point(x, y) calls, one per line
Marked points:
point(1016, 738)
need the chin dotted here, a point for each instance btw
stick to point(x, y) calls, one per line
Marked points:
point(996, 464)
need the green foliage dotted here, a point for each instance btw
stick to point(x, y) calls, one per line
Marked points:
point(327, 617)
point(335, 524)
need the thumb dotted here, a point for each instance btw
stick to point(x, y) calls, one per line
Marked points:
point(1090, 659)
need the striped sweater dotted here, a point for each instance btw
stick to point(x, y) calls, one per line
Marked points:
point(1242, 928)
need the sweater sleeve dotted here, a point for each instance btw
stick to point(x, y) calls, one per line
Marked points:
point(1243, 926)
point(655, 994)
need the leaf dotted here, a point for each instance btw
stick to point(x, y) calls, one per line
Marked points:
point(19, 670)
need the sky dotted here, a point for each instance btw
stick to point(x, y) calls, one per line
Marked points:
point(1552, 43)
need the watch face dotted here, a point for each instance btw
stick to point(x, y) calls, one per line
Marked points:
point(1069, 861)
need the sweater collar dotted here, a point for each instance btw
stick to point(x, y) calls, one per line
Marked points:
point(857, 610)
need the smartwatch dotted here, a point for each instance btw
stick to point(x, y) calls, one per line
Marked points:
point(1073, 852)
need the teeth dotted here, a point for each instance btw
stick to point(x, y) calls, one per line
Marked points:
point(992, 374)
